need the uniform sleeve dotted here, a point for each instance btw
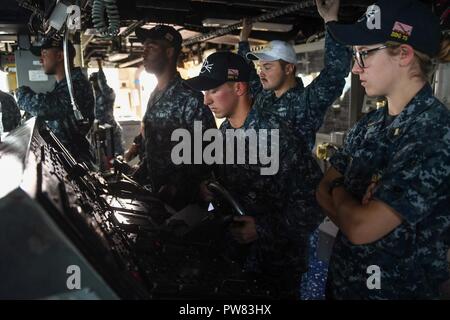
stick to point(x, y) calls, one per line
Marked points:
point(48, 106)
point(106, 90)
point(255, 82)
point(186, 176)
point(297, 213)
point(341, 159)
point(417, 178)
point(111, 95)
point(10, 113)
point(104, 106)
point(101, 76)
point(300, 214)
point(328, 86)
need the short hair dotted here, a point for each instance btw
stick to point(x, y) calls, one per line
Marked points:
point(285, 63)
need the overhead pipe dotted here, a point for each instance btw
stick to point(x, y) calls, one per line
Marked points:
point(261, 18)
point(130, 29)
point(131, 62)
point(248, 3)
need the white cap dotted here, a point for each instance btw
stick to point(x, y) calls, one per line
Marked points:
point(275, 50)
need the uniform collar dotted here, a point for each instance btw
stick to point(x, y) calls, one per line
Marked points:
point(294, 90)
point(175, 80)
point(157, 95)
point(75, 73)
point(421, 102)
point(248, 123)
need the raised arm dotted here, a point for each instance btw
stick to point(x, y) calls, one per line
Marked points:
point(328, 86)
point(244, 48)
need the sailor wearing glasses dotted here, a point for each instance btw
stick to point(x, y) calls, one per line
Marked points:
point(389, 187)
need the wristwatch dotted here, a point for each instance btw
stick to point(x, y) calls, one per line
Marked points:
point(338, 182)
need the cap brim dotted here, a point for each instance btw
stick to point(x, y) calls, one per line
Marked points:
point(143, 34)
point(260, 56)
point(36, 50)
point(202, 83)
point(355, 34)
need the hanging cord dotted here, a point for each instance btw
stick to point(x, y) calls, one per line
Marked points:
point(99, 8)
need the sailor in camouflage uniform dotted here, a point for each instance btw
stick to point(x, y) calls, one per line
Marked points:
point(280, 92)
point(104, 106)
point(171, 106)
point(281, 207)
point(9, 111)
point(389, 187)
point(55, 107)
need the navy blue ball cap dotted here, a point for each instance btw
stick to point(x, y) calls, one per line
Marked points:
point(219, 68)
point(160, 32)
point(48, 43)
point(403, 21)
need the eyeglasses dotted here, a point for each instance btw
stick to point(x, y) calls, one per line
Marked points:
point(359, 56)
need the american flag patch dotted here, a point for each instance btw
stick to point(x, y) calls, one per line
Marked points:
point(233, 74)
point(402, 28)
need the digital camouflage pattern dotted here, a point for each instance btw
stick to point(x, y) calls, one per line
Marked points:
point(10, 112)
point(177, 107)
point(55, 108)
point(284, 204)
point(303, 109)
point(410, 159)
point(104, 110)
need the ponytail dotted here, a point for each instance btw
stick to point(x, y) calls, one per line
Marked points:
point(444, 53)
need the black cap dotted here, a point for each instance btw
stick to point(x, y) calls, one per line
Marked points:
point(160, 32)
point(51, 43)
point(218, 68)
point(404, 21)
